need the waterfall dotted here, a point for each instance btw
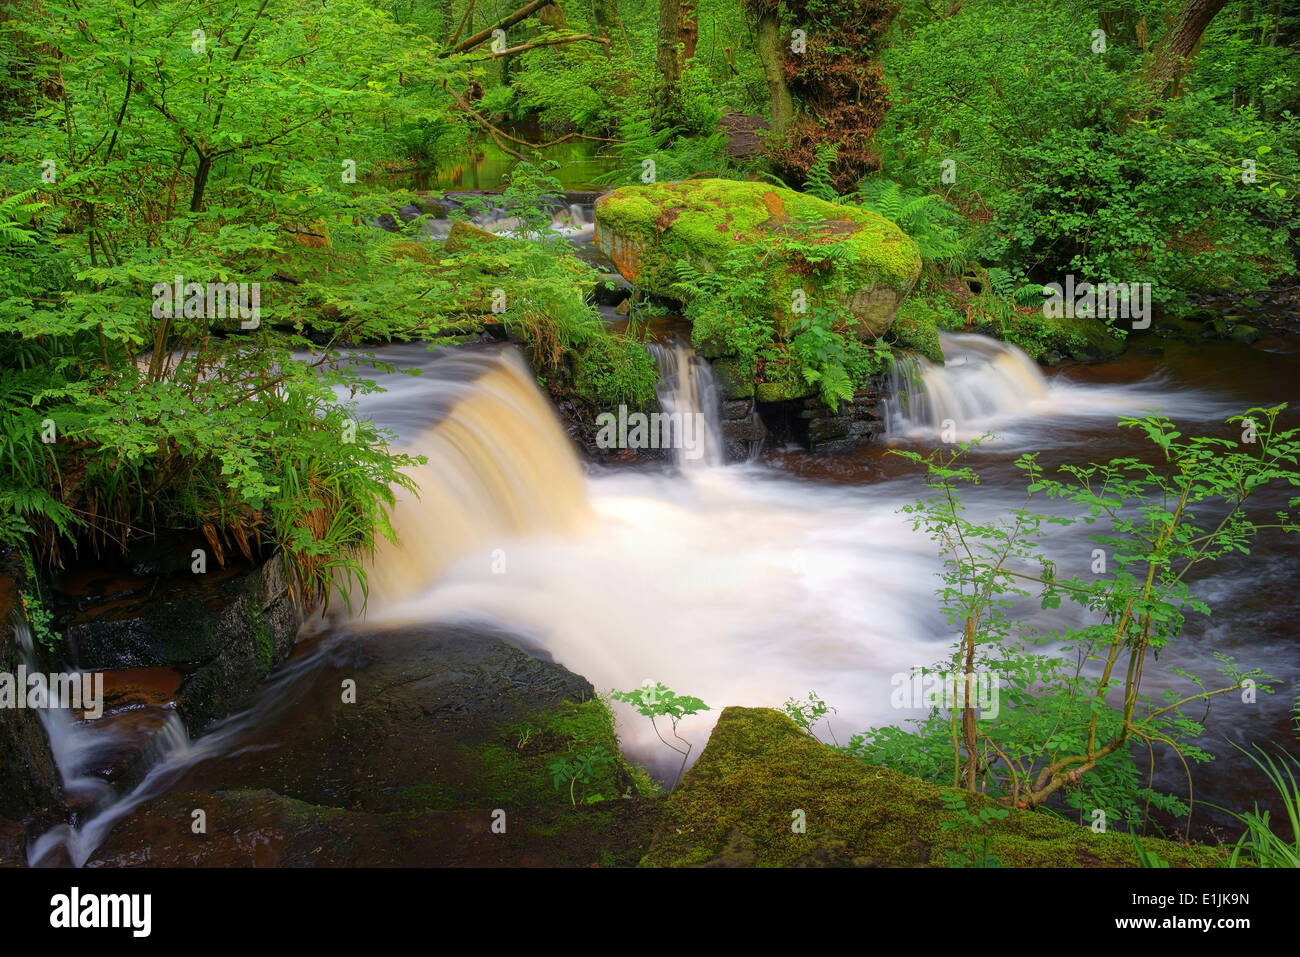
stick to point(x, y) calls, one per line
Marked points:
point(500, 467)
point(687, 387)
point(980, 381)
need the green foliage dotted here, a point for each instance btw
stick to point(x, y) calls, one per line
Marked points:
point(41, 620)
point(1051, 146)
point(148, 153)
point(818, 182)
point(647, 154)
point(808, 713)
point(656, 700)
point(612, 370)
point(1261, 845)
point(976, 852)
point(583, 767)
point(1067, 718)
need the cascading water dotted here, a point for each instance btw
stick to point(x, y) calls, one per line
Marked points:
point(499, 467)
point(980, 380)
point(742, 585)
point(688, 394)
point(989, 386)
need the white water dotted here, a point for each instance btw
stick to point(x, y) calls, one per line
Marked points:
point(687, 388)
point(740, 585)
point(989, 386)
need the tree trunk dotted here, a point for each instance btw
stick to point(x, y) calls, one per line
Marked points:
point(771, 53)
point(610, 26)
point(668, 63)
point(1179, 44)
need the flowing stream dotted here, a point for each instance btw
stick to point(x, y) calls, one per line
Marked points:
point(744, 584)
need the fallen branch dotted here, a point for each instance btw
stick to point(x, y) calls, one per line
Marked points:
point(547, 43)
point(511, 19)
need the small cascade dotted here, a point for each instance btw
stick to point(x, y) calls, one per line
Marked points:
point(500, 466)
point(980, 381)
point(76, 745)
point(688, 394)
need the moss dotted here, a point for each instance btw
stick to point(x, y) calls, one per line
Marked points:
point(732, 381)
point(783, 391)
point(917, 329)
point(611, 370)
point(736, 807)
point(648, 230)
point(263, 641)
point(464, 236)
point(512, 765)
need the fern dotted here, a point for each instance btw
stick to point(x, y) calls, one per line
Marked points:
point(15, 212)
point(819, 181)
point(938, 230)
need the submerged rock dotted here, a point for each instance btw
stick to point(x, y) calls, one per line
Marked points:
point(646, 231)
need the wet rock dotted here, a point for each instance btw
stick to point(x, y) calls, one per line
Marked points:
point(265, 829)
point(30, 788)
point(443, 718)
point(227, 629)
point(13, 844)
point(1248, 335)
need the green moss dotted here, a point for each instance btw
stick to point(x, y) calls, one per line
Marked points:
point(783, 391)
point(611, 370)
point(511, 767)
point(648, 230)
point(732, 381)
point(917, 329)
point(737, 804)
point(263, 642)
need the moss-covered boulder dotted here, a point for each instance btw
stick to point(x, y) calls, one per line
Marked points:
point(739, 804)
point(646, 230)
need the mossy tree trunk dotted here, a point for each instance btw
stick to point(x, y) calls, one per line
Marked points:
point(677, 34)
point(771, 53)
point(610, 26)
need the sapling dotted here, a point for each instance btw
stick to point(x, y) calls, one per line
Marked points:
point(658, 701)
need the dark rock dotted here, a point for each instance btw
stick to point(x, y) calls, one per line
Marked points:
point(1245, 334)
point(748, 429)
point(737, 408)
point(820, 430)
point(30, 788)
point(228, 628)
point(13, 844)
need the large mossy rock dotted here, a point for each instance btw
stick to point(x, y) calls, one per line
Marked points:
point(737, 804)
point(645, 230)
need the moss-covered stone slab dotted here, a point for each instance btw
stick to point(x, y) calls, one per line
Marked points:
point(645, 230)
point(736, 807)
